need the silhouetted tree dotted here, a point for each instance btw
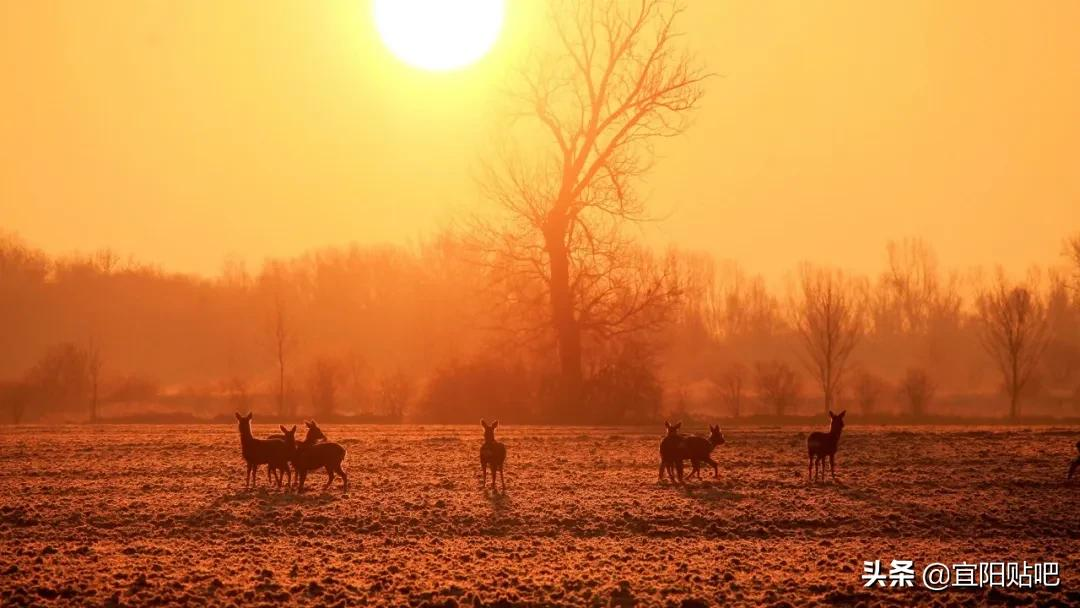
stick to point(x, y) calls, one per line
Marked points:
point(918, 390)
point(15, 397)
point(1072, 253)
point(614, 81)
point(731, 383)
point(867, 389)
point(324, 378)
point(828, 320)
point(280, 333)
point(394, 392)
point(778, 385)
point(93, 374)
point(238, 395)
point(625, 388)
point(60, 379)
point(1014, 332)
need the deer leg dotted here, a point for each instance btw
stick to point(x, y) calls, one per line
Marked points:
point(329, 476)
point(502, 477)
point(344, 477)
point(832, 466)
point(716, 467)
point(810, 469)
point(662, 467)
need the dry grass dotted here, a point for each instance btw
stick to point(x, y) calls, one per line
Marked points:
point(151, 514)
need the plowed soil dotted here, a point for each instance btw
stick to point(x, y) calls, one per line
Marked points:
point(140, 515)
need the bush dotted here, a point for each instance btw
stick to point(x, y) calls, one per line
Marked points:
point(778, 386)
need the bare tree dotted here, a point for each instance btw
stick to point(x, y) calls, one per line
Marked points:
point(868, 389)
point(828, 319)
point(1072, 253)
point(731, 384)
point(778, 385)
point(324, 379)
point(919, 389)
point(237, 392)
point(394, 391)
point(93, 376)
point(282, 343)
point(615, 81)
point(15, 397)
point(1014, 332)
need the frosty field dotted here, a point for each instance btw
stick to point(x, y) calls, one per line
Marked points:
point(139, 515)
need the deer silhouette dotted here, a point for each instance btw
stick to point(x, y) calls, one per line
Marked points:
point(1076, 463)
point(271, 452)
point(819, 445)
point(699, 449)
point(315, 452)
point(672, 452)
point(492, 455)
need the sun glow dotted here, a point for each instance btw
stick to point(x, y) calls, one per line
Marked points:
point(439, 34)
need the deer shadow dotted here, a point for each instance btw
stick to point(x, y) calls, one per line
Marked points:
point(500, 501)
point(713, 491)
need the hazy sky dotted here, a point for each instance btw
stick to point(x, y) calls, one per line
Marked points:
point(185, 132)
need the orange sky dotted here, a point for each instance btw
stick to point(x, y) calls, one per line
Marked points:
point(185, 132)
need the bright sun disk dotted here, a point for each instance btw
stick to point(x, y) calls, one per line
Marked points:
point(439, 34)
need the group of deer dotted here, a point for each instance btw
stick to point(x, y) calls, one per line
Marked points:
point(676, 449)
point(283, 456)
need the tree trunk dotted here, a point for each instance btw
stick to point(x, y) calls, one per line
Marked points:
point(567, 331)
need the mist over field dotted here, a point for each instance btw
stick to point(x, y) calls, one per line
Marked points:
point(427, 334)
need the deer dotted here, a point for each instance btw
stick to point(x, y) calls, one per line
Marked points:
point(315, 452)
point(819, 445)
point(699, 449)
point(492, 454)
point(1075, 463)
point(671, 452)
point(271, 452)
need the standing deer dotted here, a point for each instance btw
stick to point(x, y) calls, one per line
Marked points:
point(317, 453)
point(699, 449)
point(492, 454)
point(819, 445)
point(1076, 463)
point(271, 452)
point(671, 452)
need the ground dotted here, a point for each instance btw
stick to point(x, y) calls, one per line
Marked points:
point(137, 515)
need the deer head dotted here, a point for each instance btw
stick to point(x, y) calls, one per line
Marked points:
point(715, 436)
point(837, 423)
point(243, 423)
point(314, 433)
point(290, 435)
point(672, 429)
point(489, 430)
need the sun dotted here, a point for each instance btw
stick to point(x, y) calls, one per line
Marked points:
point(439, 35)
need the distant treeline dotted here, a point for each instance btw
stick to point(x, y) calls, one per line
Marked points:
point(427, 333)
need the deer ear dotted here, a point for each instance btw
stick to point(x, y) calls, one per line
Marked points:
point(831, 415)
point(841, 414)
point(483, 423)
point(294, 428)
point(494, 424)
point(250, 415)
point(238, 416)
point(283, 429)
point(667, 425)
point(678, 425)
